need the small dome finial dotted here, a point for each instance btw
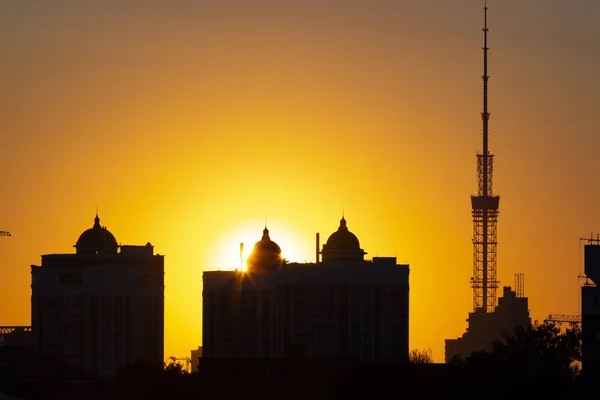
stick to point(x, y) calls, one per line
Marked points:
point(343, 220)
point(266, 231)
point(97, 219)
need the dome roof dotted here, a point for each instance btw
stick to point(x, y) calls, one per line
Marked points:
point(342, 245)
point(343, 239)
point(266, 253)
point(96, 240)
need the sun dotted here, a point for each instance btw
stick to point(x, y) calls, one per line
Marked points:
point(235, 244)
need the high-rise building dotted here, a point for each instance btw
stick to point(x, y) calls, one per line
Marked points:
point(101, 308)
point(590, 308)
point(342, 306)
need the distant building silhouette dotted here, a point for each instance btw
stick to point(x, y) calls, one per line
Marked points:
point(195, 358)
point(16, 336)
point(590, 308)
point(102, 307)
point(484, 328)
point(344, 306)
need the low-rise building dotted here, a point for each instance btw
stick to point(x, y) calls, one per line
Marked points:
point(485, 328)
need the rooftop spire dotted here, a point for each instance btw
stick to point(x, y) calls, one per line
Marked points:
point(485, 115)
point(265, 231)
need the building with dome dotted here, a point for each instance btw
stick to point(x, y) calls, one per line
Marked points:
point(101, 308)
point(342, 245)
point(266, 255)
point(342, 306)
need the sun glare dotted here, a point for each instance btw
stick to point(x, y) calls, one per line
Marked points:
point(236, 245)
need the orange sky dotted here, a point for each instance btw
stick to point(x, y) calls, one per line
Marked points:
point(189, 122)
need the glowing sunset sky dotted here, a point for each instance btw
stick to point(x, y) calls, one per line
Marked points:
point(189, 122)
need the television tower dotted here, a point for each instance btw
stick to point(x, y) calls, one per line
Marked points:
point(485, 211)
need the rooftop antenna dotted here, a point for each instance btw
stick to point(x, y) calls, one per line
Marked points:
point(317, 248)
point(241, 256)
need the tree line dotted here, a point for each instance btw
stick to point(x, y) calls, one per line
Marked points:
point(539, 360)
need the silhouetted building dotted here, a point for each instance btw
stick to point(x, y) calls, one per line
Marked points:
point(195, 358)
point(344, 306)
point(484, 328)
point(102, 307)
point(590, 309)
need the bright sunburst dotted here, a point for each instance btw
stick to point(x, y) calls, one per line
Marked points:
point(235, 245)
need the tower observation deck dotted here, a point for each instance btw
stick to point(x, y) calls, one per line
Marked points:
point(485, 211)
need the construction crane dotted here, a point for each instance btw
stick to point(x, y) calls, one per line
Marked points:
point(560, 318)
point(5, 233)
point(187, 360)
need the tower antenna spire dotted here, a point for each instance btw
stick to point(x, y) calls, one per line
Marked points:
point(485, 207)
point(485, 115)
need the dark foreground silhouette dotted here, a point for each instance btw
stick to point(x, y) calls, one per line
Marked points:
point(538, 362)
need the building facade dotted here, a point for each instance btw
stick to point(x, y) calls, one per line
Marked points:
point(101, 308)
point(590, 309)
point(343, 306)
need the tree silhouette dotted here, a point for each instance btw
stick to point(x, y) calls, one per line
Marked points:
point(541, 350)
point(150, 380)
point(420, 357)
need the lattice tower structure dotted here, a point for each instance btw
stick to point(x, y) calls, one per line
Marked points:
point(485, 211)
point(520, 284)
